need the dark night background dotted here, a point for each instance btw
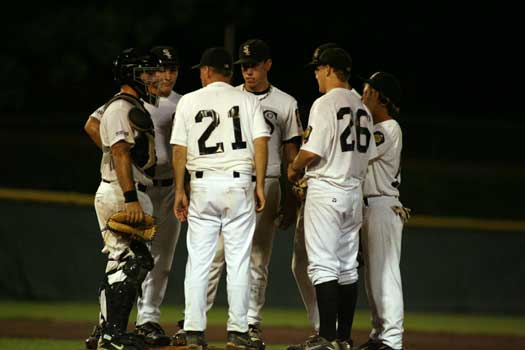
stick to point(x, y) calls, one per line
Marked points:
point(459, 68)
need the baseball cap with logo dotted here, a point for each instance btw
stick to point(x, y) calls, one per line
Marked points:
point(318, 51)
point(216, 57)
point(387, 85)
point(166, 55)
point(253, 51)
point(337, 58)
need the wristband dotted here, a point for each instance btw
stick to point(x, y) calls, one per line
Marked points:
point(130, 196)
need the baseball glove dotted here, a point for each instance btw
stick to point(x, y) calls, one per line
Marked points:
point(403, 212)
point(142, 231)
point(299, 188)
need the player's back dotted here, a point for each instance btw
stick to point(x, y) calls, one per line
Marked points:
point(345, 138)
point(220, 123)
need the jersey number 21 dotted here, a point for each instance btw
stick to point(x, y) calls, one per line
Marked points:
point(233, 113)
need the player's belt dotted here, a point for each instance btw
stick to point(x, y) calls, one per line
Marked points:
point(140, 187)
point(200, 174)
point(163, 182)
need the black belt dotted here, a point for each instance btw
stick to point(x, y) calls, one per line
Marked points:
point(140, 187)
point(200, 174)
point(164, 182)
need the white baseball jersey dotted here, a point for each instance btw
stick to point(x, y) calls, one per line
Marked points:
point(384, 171)
point(339, 131)
point(282, 116)
point(215, 130)
point(115, 127)
point(162, 117)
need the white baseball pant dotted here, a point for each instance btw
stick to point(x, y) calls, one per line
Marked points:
point(381, 242)
point(260, 255)
point(219, 203)
point(162, 249)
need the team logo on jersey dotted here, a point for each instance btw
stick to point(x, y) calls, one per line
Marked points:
point(307, 133)
point(246, 50)
point(316, 54)
point(379, 137)
point(167, 53)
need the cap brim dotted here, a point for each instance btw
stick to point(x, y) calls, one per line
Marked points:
point(244, 61)
point(311, 64)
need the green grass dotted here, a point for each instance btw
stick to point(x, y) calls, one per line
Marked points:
point(430, 322)
point(39, 344)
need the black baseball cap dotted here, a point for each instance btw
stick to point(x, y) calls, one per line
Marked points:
point(318, 51)
point(253, 51)
point(387, 85)
point(335, 57)
point(216, 57)
point(166, 55)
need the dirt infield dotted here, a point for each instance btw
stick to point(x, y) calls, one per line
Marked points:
point(272, 335)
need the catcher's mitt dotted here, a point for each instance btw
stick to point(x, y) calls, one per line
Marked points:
point(143, 231)
point(299, 189)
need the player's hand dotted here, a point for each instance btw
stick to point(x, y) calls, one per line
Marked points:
point(403, 212)
point(293, 175)
point(260, 200)
point(134, 213)
point(180, 206)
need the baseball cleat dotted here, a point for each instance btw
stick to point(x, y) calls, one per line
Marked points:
point(240, 341)
point(153, 334)
point(196, 341)
point(255, 333)
point(92, 341)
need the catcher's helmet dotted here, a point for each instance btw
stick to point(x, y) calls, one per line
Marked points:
point(135, 68)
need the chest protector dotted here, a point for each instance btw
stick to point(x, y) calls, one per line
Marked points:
point(143, 152)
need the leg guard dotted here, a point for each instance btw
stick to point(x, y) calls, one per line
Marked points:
point(121, 287)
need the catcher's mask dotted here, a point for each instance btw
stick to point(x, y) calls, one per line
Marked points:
point(139, 69)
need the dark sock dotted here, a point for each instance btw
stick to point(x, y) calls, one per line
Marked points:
point(347, 299)
point(327, 304)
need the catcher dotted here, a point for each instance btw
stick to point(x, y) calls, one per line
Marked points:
point(126, 133)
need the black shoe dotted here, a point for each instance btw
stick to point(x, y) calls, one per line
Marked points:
point(92, 340)
point(125, 341)
point(195, 340)
point(179, 338)
point(316, 342)
point(153, 334)
point(240, 341)
point(374, 345)
point(255, 333)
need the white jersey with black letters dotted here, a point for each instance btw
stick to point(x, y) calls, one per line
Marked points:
point(282, 116)
point(384, 171)
point(216, 130)
point(339, 131)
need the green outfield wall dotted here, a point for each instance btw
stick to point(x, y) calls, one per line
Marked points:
point(51, 250)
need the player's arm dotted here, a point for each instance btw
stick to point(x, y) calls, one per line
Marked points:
point(303, 159)
point(92, 128)
point(261, 161)
point(122, 161)
point(179, 159)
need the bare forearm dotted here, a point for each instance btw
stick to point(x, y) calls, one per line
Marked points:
point(303, 159)
point(122, 160)
point(179, 159)
point(261, 159)
point(92, 128)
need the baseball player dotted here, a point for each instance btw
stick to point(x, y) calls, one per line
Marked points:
point(299, 257)
point(282, 116)
point(162, 195)
point(219, 135)
point(127, 162)
point(335, 154)
point(382, 226)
